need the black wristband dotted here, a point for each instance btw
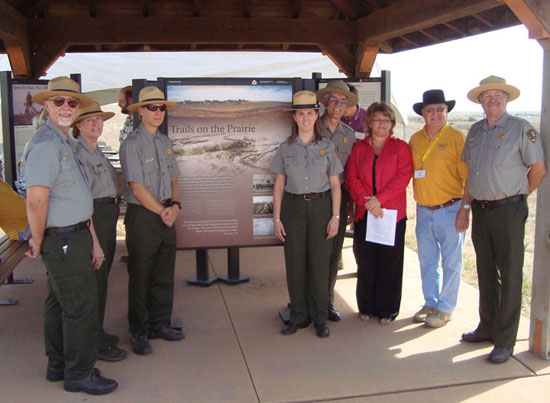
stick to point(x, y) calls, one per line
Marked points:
point(177, 203)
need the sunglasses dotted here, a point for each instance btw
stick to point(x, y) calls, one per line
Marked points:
point(60, 101)
point(153, 107)
point(339, 101)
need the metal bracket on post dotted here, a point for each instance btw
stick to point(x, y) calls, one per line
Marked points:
point(203, 279)
point(11, 281)
point(233, 271)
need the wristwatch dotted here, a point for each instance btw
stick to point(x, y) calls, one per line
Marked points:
point(466, 206)
point(177, 203)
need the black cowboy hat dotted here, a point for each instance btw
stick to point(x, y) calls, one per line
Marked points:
point(433, 97)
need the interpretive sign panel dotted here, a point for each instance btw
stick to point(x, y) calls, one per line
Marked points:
point(225, 133)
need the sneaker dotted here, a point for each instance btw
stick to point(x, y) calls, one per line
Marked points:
point(421, 315)
point(437, 319)
point(112, 354)
point(140, 344)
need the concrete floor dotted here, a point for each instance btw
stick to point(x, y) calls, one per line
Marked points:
point(233, 351)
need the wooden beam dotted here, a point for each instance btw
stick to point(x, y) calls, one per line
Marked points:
point(13, 24)
point(415, 44)
point(296, 8)
point(247, 6)
point(342, 57)
point(37, 8)
point(20, 58)
point(483, 20)
point(534, 14)
point(455, 29)
point(178, 30)
point(428, 35)
point(46, 55)
point(351, 9)
point(366, 57)
point(406, 16)
point(197, 8)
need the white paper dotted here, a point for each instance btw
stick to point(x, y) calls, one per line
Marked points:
point(382, 230)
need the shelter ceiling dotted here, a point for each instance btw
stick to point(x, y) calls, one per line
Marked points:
point(350, 32)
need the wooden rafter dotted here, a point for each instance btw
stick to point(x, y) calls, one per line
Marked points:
point(36, 8)
point(483, 20)
point(342, 57)
point(427, 34)
point(296, 8)
point(455, 29)
point(45, 55)
point(247, 6)
point(197, 8)
point(366, 56)
point(535, 15)
point(350, 9)
point(13, 24)
point(415, 44)
point(405, 16)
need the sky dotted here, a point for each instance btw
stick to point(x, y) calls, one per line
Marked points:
point(455, 67)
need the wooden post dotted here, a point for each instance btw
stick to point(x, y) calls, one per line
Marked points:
point(539, 333)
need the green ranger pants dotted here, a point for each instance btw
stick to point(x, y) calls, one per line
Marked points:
point(151, 264)
point(105, 219)
point(307, 256)
point(497, 235)
point(336, 252)
point(70, 310)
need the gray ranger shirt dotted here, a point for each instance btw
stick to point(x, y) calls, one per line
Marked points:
point(49, 161)
point(343, 138)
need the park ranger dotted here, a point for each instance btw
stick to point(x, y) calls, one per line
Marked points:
point(152, 193)
point(59, 207)
point(336, 97)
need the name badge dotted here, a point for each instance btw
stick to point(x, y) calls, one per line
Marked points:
point(148, 160)
point(419, 174)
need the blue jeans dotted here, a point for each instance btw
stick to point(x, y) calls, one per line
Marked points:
point(440, 255)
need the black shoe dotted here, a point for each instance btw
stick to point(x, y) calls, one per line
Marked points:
point(500, 355)
point(140, 344)
point(166, 333)
point(112, 339)
point(475, 337)
point(112, 354)
point(94, 385)
point(322, 330)
point(55, 374)
point(333, 314)
point(292, 327)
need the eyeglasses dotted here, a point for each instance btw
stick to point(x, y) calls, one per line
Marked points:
point(343, 101)
point(384, 121)
point(60, 101)
point(439, 109)
point(497, 96)
point(94, 119)
point(153, 107)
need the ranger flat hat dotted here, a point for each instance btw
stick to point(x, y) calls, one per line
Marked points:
point(493, 83)
point(62, 86)
point(90, 111)
point(338, 86)
point(150, 95)
point(431, 97)
point(304, 100)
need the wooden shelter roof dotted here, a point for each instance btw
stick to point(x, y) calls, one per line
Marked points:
point(34, 33)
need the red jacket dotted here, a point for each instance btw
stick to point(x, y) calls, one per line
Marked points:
point(394, 169)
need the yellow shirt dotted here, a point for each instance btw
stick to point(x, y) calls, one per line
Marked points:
point(13, 211)
point(445, 172)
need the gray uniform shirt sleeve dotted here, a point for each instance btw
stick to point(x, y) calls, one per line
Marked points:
point(41, 164)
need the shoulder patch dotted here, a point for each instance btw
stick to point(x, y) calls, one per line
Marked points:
point(531, 135)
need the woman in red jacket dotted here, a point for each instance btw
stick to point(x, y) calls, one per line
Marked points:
point(377, 175)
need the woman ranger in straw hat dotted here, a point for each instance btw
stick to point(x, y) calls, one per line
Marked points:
point(103, 181)
point(306, 206)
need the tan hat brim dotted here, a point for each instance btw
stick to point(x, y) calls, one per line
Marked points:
point(104, 115)
point(42, 96)
point(352, 98)
point(134, 107)
point(513, 92)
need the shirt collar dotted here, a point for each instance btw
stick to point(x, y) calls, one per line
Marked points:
point(51, 125)
point(500, 123)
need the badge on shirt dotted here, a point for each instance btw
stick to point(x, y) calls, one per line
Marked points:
point(531, 135)
point(66, 157)
point(502, 135)
point(99, 165)
point(149, 160)
point(168, 151)
point(346, 140)
point(322, 152)
point(419, 174)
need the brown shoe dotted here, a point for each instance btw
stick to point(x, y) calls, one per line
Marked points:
point(437, 319)
point(421, 315)
point(112, 354)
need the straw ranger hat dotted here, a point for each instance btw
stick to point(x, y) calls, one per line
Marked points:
point(150, 95)
point(63, 86)
point(90, 111)
point(431, 97)
point(493, 83)
point(341, 87)
point(304, 100)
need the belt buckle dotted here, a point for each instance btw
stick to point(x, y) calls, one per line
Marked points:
point(305, 197)
point(484, 204)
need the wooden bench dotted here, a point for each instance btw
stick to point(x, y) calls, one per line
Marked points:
point(11, 253)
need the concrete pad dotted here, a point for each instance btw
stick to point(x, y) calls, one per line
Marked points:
point(207, 366)
point(359, 358)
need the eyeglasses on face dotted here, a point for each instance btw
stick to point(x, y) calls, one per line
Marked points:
point(498, 96)
point(93, 119)
point(343, 101)
point(438, 109)
point(382, 121)
point(153, 107)
point(60, 101)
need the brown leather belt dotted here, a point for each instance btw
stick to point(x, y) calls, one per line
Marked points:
point(69, 228)
point(107, 200)
point(310, 196)
point(446, 204)
point(489, 204)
